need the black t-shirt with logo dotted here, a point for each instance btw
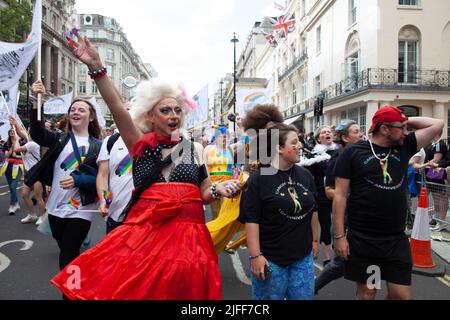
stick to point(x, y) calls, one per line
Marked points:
point(283, 212)
point(377, 202)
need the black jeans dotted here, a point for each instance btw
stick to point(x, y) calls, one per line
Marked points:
point(111, 224)
point(332, 271)
point(69, 234)
point(324, 210)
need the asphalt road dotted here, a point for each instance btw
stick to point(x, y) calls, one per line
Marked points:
point(29, 259)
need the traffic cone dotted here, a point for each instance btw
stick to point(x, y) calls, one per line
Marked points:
point(420, 238)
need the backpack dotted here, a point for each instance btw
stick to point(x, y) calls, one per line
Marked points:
point(111, 141)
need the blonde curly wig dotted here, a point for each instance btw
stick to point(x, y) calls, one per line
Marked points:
point(148, 94)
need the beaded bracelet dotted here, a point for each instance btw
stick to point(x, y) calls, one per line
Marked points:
point(98, 73)
point(214, 193)
point(256, 257)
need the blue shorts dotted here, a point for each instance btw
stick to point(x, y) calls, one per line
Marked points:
point(295, 282)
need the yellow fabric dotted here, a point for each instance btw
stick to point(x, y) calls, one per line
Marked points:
point(4, 168)
point(226, 225)
point(241, 240)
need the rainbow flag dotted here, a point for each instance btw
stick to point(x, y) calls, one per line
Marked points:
point(72, 202)
point(107, 195)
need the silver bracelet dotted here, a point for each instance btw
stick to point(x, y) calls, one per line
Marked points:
point(214, 193)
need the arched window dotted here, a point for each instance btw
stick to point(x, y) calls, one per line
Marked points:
point(409, 54)
point(352, 65)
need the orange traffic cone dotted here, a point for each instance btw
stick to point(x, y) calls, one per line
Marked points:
point(420, 238)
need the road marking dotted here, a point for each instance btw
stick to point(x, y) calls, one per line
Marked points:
point(7, 192)
point(237, 265)
point(318, 266)
point(4, 260)
point(445, 280)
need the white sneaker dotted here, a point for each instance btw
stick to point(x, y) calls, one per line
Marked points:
point(39, 221)
point(438, 227)
point(30, 218)
point(16, 207)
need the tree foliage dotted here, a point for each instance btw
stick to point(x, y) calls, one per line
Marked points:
point(15, 21)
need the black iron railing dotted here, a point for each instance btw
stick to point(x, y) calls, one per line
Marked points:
point(378, 78)
point(294, 66)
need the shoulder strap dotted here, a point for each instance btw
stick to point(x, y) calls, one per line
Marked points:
point(75, 148)
point(111, 141)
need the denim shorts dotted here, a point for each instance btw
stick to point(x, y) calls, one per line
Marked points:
point(294, 282)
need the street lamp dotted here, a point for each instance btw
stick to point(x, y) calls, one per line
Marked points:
point(234, 40)
point(221, 101)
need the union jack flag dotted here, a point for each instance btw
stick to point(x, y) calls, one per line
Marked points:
point(271, 39)
point(283, 24)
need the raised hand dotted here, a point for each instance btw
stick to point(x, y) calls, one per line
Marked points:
point(84, 50)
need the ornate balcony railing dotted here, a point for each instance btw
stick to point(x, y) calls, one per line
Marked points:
point(294, 65)
point(377, 78)
point(299, 108)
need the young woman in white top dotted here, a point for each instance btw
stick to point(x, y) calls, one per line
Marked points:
point(72, 191)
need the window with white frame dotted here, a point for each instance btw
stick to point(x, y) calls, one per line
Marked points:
point(94, 34)
point(304, 87)
point(317, 85)
point(110, 36)
point(63, 88)
point(408, 2)
point(303, 9)
point(294, 94)
point(358, 115)
point(319, 39)
point(70, 76)
point(94, 88)
point(63, 67)
point(409, 55)
point(82, 87)
point(352, 12)
point(110, 70)
point(82, 69)
point(110, 54)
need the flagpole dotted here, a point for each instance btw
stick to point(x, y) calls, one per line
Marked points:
point(39, 76)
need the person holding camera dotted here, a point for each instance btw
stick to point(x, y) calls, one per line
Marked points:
point(281, 221)
point(68, 171)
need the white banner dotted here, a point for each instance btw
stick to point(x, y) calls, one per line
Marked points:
point(98, 110)
point(15, 57)
point(12, 99)
point(59, 104)
point(200, 114)
point(246, 99)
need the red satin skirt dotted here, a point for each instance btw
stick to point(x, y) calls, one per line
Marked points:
point(163, 251)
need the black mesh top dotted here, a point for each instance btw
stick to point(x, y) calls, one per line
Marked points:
point(149, 166)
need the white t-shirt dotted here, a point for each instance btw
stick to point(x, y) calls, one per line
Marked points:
point(120, 175)
point(32, 156)
point(69, 200)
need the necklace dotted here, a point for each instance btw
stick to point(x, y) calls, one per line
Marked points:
point(293, 193)
point(291, 182)
point(384, 163)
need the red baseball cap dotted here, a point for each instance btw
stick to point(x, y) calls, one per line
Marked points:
point(387, 114)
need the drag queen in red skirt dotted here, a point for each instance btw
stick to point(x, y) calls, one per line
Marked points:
point(163, 250)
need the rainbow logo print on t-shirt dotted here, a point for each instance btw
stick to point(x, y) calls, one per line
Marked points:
point(125, 166)
point(71, 163)
point(72, 202)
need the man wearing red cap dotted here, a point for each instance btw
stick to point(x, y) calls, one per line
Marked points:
point(371, 187)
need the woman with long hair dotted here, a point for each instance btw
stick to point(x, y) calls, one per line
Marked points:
point(71, 190)
point(13, 169)
point(280, 214)
point(163, 249)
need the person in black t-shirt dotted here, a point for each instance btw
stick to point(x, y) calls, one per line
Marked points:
point(348, 132)
point(279, 211)
point(375, 172)
point(436, 175)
